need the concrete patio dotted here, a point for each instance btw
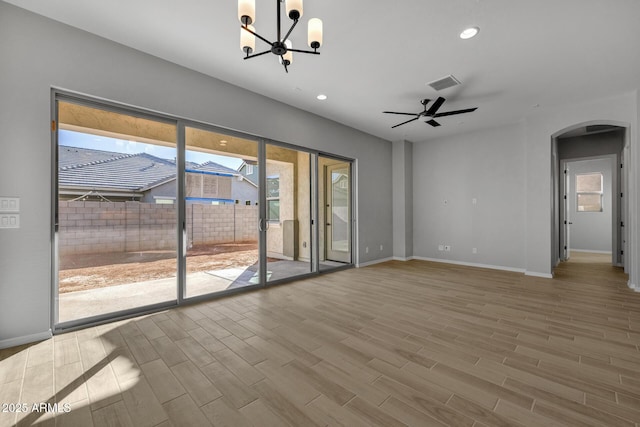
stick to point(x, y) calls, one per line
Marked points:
point(94, 302)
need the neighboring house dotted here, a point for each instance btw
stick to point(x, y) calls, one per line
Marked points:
point(215, 181)
point(86, 174)
point(249, 169)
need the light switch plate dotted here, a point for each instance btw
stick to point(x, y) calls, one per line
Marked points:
point(9, 204)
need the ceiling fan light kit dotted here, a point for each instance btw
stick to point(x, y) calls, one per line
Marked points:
point(430, 113)
point(282, 47)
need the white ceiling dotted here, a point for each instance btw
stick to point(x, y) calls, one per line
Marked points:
point(379, 55)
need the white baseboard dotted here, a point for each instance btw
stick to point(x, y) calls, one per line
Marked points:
point(466, 264)
point(633, 286)
point(376, 261)
point(536, 274)
point(590, 251)
point(12, 342)
point(471, 264)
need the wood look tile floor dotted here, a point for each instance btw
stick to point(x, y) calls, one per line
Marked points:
point(401, 343)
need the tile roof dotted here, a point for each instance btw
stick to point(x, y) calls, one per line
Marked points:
point(216, 168)
point(95, 169)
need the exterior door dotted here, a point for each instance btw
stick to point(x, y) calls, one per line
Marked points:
point(338, 212)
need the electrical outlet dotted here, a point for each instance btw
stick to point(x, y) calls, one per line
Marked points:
point(441, 248)
point(381, 247)
point(474, 201)
point(366, 250)
point(447, 248)
point(474, 250)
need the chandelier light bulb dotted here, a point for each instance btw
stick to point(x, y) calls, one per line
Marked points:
point(247, 11)
point(315, 33)
point(294, 9)
point(288, 56)
point(247, 40)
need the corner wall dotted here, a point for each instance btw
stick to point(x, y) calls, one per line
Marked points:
point(402, 200)
point(39, 53)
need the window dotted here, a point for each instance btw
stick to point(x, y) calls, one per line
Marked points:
point(249, 169)
point(273, 198)
point(164, 200)
point(589, 192)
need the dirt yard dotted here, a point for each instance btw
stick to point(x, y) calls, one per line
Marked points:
point(82, 272)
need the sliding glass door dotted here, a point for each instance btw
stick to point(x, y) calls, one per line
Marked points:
point(288, 222)
point(115, 213)
point(150, 210)
point(221, 212)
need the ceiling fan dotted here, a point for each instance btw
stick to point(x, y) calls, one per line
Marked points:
point(431, 113)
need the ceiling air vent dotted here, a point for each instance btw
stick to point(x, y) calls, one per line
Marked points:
point(444, 83)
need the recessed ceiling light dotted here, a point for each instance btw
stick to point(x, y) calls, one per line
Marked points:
point(223, 142)
point(322, 97)
point(469, 33)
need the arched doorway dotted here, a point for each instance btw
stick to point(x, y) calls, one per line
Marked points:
point(583, 144)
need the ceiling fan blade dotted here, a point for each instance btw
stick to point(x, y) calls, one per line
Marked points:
point(404, 123)
point(451, 113)
point(435, 106)
point(433, 123)
point(395, 112)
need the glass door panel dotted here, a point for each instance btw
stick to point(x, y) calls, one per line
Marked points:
point(116, 215)
point(335, 221)
point(288, 209)
point(221, 212)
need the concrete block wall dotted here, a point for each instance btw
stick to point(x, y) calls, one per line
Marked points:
point(104, 227)
point(86, 226)
point(246, 225)
point(210, 223)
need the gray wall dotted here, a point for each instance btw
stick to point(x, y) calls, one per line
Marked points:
point(445, 169)
point(591, 231)
point(38, 53)
point(448, 174)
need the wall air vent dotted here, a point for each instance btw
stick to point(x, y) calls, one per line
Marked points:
point(444, 83)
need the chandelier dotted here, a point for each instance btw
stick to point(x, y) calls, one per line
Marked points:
point(282, 47)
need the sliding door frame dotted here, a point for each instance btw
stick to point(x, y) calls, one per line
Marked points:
point(182, 265)
point(61, 95)
point(58, 94)
point(352, 209)
point(313, 196)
